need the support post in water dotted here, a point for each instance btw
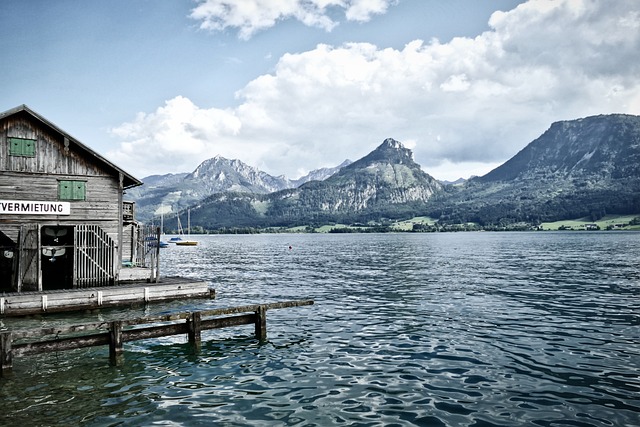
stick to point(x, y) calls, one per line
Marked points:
point(261, 323)
point(6, 355)
point(157, 266)
point(115, 344)
point(194, 326)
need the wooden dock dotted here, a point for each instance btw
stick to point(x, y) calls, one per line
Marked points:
point(166, 289)
point(18, 343)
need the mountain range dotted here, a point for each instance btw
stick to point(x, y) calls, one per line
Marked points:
point(584, 167)
point(171, 193)
point(581, 168)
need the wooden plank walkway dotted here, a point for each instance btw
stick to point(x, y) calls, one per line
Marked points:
point(18, 343)
point(167, 288)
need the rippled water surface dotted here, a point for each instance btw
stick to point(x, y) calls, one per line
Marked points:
point(467, 329)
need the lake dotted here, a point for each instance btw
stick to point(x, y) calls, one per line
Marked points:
point(443, 329)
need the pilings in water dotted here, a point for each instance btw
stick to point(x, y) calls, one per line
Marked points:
point(26, 342)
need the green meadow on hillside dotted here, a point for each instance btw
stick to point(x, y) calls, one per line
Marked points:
point(423, 223)
point(609, 222)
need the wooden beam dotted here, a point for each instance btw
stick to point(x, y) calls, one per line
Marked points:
point(225, 322)
point(154, 332)
point(154, 319)
point(180, 323)
point(61, 344)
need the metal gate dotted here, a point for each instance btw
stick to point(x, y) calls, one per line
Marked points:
point(95, 257)
point(146, 246)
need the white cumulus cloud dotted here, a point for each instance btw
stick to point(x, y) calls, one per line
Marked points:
point(460, 104)
point(251, 16)
point(174, 134)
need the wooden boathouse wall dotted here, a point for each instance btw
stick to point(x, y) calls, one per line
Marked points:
point(41, 163)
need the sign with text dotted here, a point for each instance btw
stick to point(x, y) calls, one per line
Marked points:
point(32, 207)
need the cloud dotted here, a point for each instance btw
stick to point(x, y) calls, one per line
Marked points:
point(251, 16)
point(174, 134)
point(460, 104)
point(362, 10)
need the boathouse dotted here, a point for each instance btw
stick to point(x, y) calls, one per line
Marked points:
point(64, 223)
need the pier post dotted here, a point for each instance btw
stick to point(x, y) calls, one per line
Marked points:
point(194, 326)
point(157, 266)
point(115, 344)
point(261, 323)
point(6, 355)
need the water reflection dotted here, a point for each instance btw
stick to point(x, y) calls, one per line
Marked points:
point(439, 329)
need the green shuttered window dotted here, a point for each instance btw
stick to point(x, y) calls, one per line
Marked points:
point(22, 147)
point(72, 190)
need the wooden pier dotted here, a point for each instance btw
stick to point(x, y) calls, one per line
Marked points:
point(18, 343)
point(166, 289)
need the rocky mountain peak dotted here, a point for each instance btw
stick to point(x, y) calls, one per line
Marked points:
point(214, 175)
point(391, 146)
point(217, 164)
point(604, 145)
point(386, 176)
point(320, 174)
point(391, 143)
point(390, 152)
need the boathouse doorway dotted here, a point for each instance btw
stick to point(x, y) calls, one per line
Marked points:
point(8, 262)
point(57, 249)
point(51, 257)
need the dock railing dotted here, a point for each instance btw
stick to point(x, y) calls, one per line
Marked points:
point(115, 333)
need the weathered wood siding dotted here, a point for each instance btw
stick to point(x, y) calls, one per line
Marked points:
point(36, 178)
point(52, 157)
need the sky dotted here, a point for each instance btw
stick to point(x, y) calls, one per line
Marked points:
point(289, 86)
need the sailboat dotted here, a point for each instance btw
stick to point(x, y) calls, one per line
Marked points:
point(185, 242)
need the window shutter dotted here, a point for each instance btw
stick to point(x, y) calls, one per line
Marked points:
point(79, 190)
point(72, 190)
point(22, 147)
point(65, 191)
point(29, 148)
point(16, 148)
